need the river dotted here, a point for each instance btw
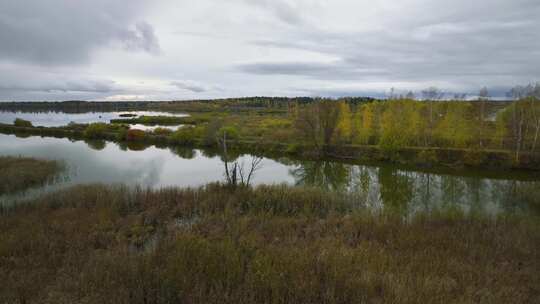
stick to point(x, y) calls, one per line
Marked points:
point(380, 187)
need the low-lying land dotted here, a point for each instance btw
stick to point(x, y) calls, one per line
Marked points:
point(207, 136)
point(271, 244)
point(158, 120)
point(484, 134)
point(20, 173)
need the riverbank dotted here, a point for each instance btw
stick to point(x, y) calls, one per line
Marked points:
point(21, 173)
point(412, 156)
point(270, 244)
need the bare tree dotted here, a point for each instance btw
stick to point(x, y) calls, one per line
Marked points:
point(483, 96)
point(431, 95)
point(236, 174)
point(534, 106)
point(410, 95)
point(460, 96)
point(531, 93)
point(392, 94)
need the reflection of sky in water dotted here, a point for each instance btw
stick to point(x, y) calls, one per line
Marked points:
point(151, 167)
point(57, 119)
point(383, 187)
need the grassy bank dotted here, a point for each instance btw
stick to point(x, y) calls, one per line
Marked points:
point(19, 173)
point(99, 244)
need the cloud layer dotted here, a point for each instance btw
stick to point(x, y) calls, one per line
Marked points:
point(67, 32)
point(170, 49)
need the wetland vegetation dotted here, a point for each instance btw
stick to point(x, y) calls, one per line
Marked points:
point(281, 201)
point(269, 244)
point(21, 173)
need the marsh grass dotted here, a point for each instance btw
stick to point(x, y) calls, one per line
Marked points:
point(21, 173)
point(270, 244)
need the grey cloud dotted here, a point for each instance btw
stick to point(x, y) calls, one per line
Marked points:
point(329, 70)
point(274, 47)
point(21, 83)
point(485, 46)
point(283, 10)
point(89, 86)
point(189, 86)
point(142, 38)
point(468, 53)
point(66, 32)
point(287, 68)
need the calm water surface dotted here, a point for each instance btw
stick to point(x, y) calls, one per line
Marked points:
point(58, 119)
point(380, 187)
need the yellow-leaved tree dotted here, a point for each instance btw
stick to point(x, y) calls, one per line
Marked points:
point(344, 127)
point(455, 129)
point(365, 124)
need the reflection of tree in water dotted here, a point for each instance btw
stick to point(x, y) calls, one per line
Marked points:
point(397, 189)
point(322, 174)
point(426, 190)
point(184, 152)
point(409, 192)
point(209, 152)
point(475, 187)
point(96, 144)
point(361, 183)
point(133, 146)
point(453, 189)
point(137, 146)
point(22, 135)
point(515, 196)
point(236, 173)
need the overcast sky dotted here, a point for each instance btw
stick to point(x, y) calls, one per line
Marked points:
point(175, 49)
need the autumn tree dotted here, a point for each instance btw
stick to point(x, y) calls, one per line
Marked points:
point(317, 123)
point(365, 124)
point(401, 124)
point(455, 128)
point(344, 127)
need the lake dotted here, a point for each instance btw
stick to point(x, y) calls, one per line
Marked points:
point(378, 186)
point(58, 119)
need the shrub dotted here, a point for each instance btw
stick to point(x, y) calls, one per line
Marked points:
point(135, 135)
point(95, 130)
point(231, 131)
point(427, 157)
point(122, 134)
point(19, 122)
point(293, 148)
point(474, 157)
point(185, 135)
point(162, 131)
point(211, 131)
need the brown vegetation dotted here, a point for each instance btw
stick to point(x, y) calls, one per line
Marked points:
point(19, 173)
point(98, 244)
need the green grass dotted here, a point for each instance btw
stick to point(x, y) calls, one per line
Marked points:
point(19, 173)
point(271, 244)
